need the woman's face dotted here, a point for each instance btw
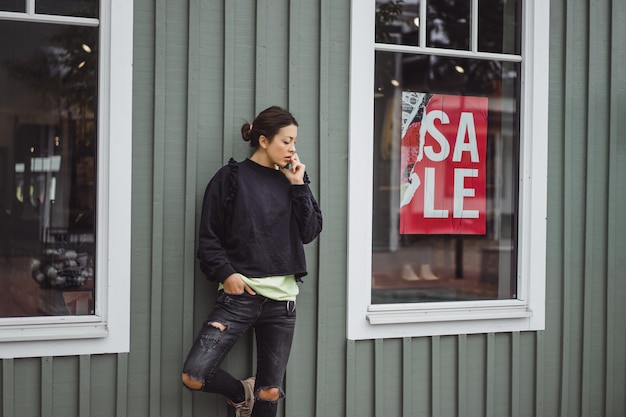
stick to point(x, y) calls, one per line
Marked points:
point(281, 148)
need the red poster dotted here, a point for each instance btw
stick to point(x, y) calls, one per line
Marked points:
point(443, 178)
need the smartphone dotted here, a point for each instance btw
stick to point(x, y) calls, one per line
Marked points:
point(288, 166)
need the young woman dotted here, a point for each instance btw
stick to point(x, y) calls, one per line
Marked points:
point(256, 217)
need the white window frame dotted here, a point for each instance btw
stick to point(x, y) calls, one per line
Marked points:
point(108, 330)
point(370, 321)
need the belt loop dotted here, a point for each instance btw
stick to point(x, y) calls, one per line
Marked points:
point(291, 306)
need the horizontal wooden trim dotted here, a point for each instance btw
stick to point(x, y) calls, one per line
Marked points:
point(429, 314)
point(53, 332)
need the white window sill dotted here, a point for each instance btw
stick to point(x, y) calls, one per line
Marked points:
point(442, 312)
point(67, 331)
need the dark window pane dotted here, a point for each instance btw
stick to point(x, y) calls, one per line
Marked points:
point(498, 26)
point(48, 115)
point(409, 266)
point(397, 22)
point(76, 8)
point(13, 5)
point(448, 24)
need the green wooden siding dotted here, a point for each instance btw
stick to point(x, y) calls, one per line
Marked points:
point(200, 68)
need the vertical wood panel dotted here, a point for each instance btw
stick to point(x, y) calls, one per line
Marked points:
point(121, 397)
point(435, 376)
point(326, 91)
point(8, 384)
point(477, 371)
point(407, 377)
point(351, 379)
point(272, 60)
point(490, 372)
point(596, 207)
point(616, 261)
point(462, 404)
point(244, 70)
point(393, 375)
point(285, 83)
point(422, 371)
point(84, 385)
point(294, 24)
point(158, 180)
point(28, 380)
point(379, 378)
point(175, 84)
point(228, 110)
point(191, 186)
point(66, 374)
point(144, 53)
point(325, 288)
point(558, 283)
point(515, 374)
point(527, 374)
point(540, 375)
point(448, 375)
point(332, 162)
point(47, 381)
point(365, 392)
point(261, 89)
point(575, 106)
point(103, 370)
point(503, 373)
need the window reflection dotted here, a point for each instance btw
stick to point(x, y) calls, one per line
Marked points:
point(48, 76)
point(397, 22)
point(76, 8)
point(420, 267)
point(498, 26)
point(448, 24)
point(13, 5)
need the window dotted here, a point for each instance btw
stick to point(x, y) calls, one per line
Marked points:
point(65, 74)
point(448, 178)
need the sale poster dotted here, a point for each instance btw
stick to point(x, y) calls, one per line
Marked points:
point(443, 179)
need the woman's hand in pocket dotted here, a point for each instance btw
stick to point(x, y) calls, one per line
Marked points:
point(235, 285)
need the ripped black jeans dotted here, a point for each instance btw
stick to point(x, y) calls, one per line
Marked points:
point(273, 322)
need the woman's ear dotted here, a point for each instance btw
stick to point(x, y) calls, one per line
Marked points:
point(263, 142)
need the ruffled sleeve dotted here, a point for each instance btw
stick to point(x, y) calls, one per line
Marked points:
point(232, 188)
point(217, 205)
point(306, 211)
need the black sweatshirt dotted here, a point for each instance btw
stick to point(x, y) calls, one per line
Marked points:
point(254, 222)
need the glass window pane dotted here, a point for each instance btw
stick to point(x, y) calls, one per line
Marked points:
point(499, 26)
point(76, 8)
point(13, 5)
point(397, 22)
point(446, 143)
point(448, 24)
point(48, 114)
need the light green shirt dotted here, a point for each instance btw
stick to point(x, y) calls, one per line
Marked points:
point(278, 288)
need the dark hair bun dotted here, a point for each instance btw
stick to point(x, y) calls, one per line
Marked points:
point(267, 124)
point(246, 131)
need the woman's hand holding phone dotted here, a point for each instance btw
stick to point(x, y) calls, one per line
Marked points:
point(294, 171)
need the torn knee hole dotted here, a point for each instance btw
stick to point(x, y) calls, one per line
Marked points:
point(191, 382)
point(218, 325)
point(269, 394)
